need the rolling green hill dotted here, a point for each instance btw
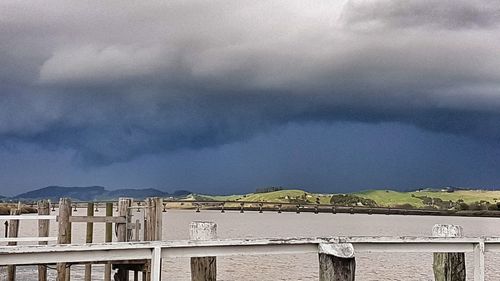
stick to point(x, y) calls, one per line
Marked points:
point(383, 198)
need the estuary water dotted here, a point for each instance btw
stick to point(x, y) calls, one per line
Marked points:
point(369, 267)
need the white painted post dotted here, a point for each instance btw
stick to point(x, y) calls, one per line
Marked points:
point(203, 268)
point(479, 262)
point(156, 264)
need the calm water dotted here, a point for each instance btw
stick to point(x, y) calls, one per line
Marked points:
point(411, 267)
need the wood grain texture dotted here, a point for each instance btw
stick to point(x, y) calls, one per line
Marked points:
point(448, 266)
point(203, 268)
point(43, 208)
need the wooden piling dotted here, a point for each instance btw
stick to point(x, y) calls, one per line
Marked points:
point(123, 233)
point(153, 226)
point(203, 268)
point(64, 235)
point(153, 217)
point(336, 262)
point(448, 266)
point(88, 239)
point(13, 232)
point(108, 237)
point(43, 208)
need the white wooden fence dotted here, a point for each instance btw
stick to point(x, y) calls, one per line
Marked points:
point(155, 251)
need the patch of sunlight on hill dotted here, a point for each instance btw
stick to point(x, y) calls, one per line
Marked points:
point(388, 198)
point(383, 198)
point(469, 196)
point(281, 196)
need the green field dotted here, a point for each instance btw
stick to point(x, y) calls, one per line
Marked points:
point(383, 198)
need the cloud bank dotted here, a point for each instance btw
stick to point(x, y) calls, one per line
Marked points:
point(115, 80)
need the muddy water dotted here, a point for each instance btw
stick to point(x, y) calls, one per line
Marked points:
point(411, 267)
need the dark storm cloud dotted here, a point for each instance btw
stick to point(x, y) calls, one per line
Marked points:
point(115, 80)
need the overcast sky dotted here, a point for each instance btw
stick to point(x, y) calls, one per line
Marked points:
point(225, 96)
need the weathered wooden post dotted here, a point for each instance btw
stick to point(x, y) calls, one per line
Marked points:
point(108, 237)
point(153, 218)
point(336, 262)
point(122, 233)
point(43, 208)
point(448, 266)
point(203, 268)
point(13, 233)
point(64, 235)
point(153, 227)
point(89, 238)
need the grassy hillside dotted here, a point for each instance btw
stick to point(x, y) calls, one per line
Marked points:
point(388, 198)
point(282, 196)
point(383, 198)
point(392, 198)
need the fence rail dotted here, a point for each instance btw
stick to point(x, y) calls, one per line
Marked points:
point(29, 255)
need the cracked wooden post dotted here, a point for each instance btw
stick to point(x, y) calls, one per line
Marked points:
point(108, 237)
point(43, 208)
point(88, 239)
point(122, 233)
point(336, 262)
point(64, 235)
point(448, 266)
point(203, 268)
point(13, 232)
point(153, 217)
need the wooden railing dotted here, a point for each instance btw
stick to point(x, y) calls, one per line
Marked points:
point(336, 254)
point(123, 230)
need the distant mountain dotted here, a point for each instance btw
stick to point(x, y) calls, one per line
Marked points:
point(93, 193)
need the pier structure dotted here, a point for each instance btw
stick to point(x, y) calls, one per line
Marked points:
point(138, 246)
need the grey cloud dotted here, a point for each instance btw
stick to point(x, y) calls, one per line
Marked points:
point(449, 14)
point(115, 80)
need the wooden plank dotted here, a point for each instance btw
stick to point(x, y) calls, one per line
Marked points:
point(154, 218)
point(108, 237)
point(479, 266)
point(91, 219)
point(88, 239)
point(28, 239)
point(43, 208)
point(64, 234)
point(122, 234)
point(203, 268)
point(448, 266)
point(135, 251)
point(13, 232)
point(152, 226)
point(332, 268)
point(156, 264)
point(137, 227)
point(28, 217)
